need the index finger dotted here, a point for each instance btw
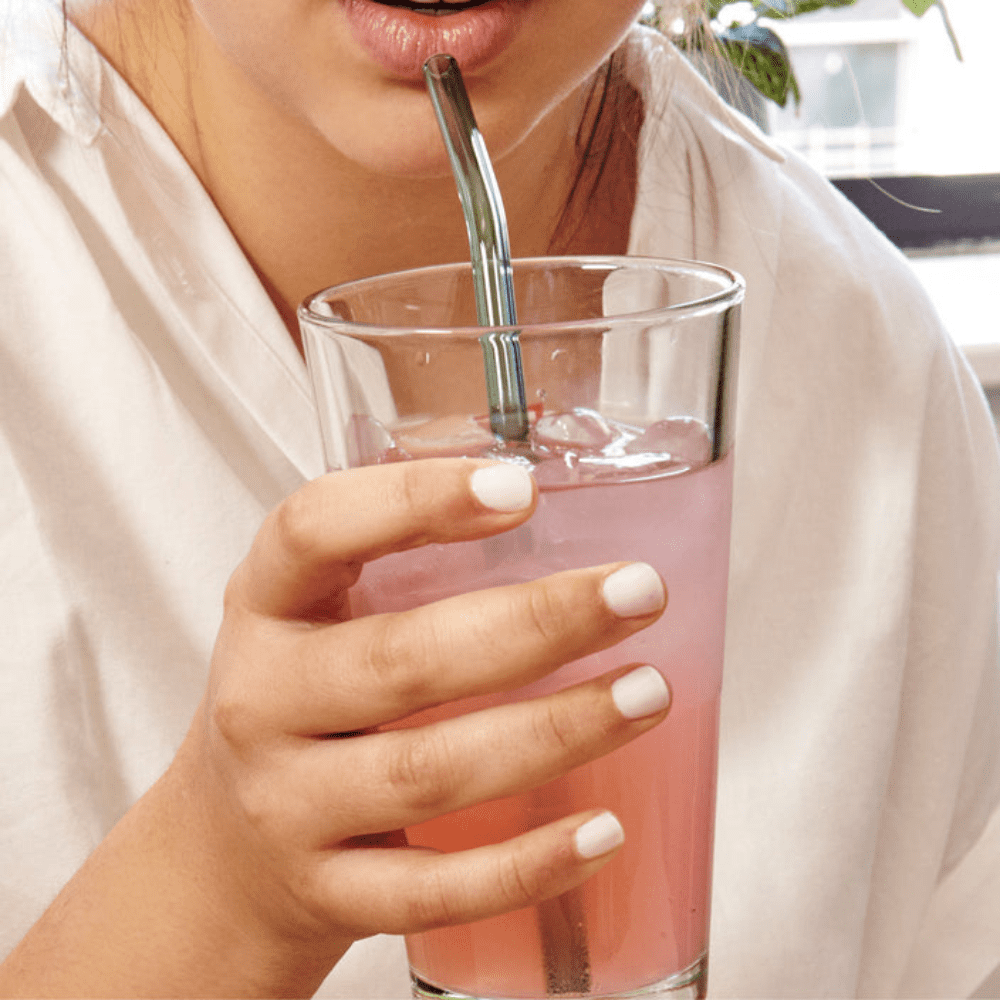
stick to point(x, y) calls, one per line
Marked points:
point(312, 545)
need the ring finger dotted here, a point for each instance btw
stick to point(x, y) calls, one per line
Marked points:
point(403, 777)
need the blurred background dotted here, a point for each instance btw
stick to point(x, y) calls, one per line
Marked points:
point(884, 96)
point(904, 127)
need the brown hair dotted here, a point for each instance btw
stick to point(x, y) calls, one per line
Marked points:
point(606, 144)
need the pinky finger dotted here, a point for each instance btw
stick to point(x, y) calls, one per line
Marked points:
point(413, 889)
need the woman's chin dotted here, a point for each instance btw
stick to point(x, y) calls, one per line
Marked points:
point(388, 143)
point(396, 133)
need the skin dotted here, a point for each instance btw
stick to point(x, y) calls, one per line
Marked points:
point(262, 853)
point(298, 135)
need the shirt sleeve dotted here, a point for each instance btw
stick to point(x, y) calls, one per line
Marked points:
point(954, 623)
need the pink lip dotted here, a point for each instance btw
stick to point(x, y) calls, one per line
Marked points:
point(402, 40)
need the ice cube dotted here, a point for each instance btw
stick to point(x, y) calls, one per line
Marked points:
point(578, 429)
point(368, 441)
point(557, 473)
point(442, 436)
point(685, 439)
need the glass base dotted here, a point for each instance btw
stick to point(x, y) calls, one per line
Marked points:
point(688, 984)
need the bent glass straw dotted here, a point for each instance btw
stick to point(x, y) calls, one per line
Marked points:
point(486, 224)
point(561, 921)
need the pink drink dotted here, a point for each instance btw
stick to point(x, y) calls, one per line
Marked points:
point(643, 918)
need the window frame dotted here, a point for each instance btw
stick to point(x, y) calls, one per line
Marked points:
point(920, 214)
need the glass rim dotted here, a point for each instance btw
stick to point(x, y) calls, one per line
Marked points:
point(732, 294)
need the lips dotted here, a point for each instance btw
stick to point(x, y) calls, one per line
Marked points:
point(434, 6)
point(400, 35)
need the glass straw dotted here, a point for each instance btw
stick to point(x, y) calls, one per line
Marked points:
point(486, 224)
point(562, 927)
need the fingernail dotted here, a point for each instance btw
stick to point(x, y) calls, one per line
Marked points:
point(642, 692)
point(634, 591)
point(506, 488)
point(598, 836)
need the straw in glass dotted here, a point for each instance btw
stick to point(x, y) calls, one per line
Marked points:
point(486, 224)
point(562, 928)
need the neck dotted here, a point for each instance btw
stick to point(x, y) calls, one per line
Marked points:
point(306, 216)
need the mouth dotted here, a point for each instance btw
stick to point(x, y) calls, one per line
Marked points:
point(400, 35)
point(435, 7)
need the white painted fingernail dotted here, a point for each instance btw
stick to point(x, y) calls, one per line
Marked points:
point(506, 488)
point(634, 591)
point(642, 692)
point(598, 836)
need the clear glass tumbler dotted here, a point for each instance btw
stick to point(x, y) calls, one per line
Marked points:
point(629, 370)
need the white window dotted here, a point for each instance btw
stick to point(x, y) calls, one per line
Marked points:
point(883, 92)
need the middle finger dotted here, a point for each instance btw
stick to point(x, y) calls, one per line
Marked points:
point(369, 671)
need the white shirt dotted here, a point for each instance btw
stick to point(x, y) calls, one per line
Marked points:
point(153, 409)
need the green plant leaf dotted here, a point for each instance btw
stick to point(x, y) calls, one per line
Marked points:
point(760, 55)
point(778, 9)
point(775, 8)
point(919, 7)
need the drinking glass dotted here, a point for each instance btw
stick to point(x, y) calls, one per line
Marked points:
point(629, 371)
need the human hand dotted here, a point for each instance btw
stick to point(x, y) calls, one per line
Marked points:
point(278, 829)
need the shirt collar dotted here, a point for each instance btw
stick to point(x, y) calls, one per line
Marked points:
point(57, 65)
